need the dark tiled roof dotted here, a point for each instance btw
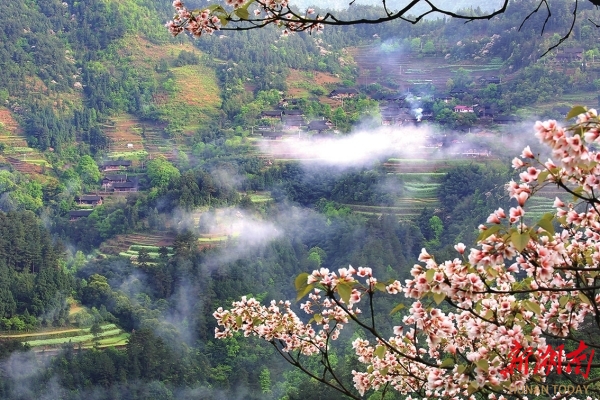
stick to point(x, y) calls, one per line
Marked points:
point(123, 185)
point(117, 163)
point(80, 213)
point(90, 197)
point(273, 113)
point(115, 178)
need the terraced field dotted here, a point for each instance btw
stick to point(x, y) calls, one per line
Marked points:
point(132, 138)
point(11, 134)
point(407, 70)
point(134, 251)
point(110, 336)
point(123, 243)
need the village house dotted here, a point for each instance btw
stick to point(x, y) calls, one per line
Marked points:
point(272, 115)
point(570, 54)
point(115, 165)
point(109, 180)
point(463, 109)
point(343, 93)
point(293, 122)
point(506, 119)
point(320, 125)
point(74, 215)
point(128, 186)
point(272, 135)
point(90, 200)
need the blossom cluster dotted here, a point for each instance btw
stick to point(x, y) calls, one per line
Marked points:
point(523, 282)
point(278, 12)
point(194, 22)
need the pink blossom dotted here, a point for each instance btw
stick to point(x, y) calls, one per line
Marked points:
point(527, 153)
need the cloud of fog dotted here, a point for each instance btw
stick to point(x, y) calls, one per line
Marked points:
point(23, 371)
point(244, 232)
point(182, 313)
point(361, 148)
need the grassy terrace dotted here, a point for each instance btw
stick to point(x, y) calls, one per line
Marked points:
point(110, 335)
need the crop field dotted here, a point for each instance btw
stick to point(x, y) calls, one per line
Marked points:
point(406, 69)
point(196, 97)
point(146, 138)
point(260, 197)
point(11, 135)
point(111, 335)
point(536, 207)
point(301, 83)
point(133, 242)
point(153, 251)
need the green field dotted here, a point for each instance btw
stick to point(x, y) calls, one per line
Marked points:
point(111, 335)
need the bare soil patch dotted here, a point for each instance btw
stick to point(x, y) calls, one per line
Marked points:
point(8, 123)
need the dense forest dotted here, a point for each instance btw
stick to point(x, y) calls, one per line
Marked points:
point(200, 207)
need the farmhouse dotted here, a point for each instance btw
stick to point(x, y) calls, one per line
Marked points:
point(115, 165)
point(343, 93)
point(90, 200)
point(570, 54)
point(272, 135)
point(294, 112)
point(320, 125)
point(293, 122)
point(272, 114)
point(76, 214)
point(109, 180)
point(124, 186)
point(463, 109)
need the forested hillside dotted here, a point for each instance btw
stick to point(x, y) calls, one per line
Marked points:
point(146, 180)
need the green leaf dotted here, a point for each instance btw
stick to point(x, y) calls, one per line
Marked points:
point(242, 13)
point(304, 292)
point(397, 308)
point(489, 232)
point(520, 240)
point(301, 281)
point(546, 225)
point(489, 314)
point(224, 20)
point(318, 318)
point(533, 307)
point(438, 297)
point(483, 364)
point(380, 352)
point(345, 291)
point(542, 176)
point(247, 4)
point(584, 298)
point(575, 111)
point(429, 275)
point(461, 369)
point(447, 363)
point(216, 8)
point(563, 300)
point(380, 286)
point(239, 321)
point(473, 386)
